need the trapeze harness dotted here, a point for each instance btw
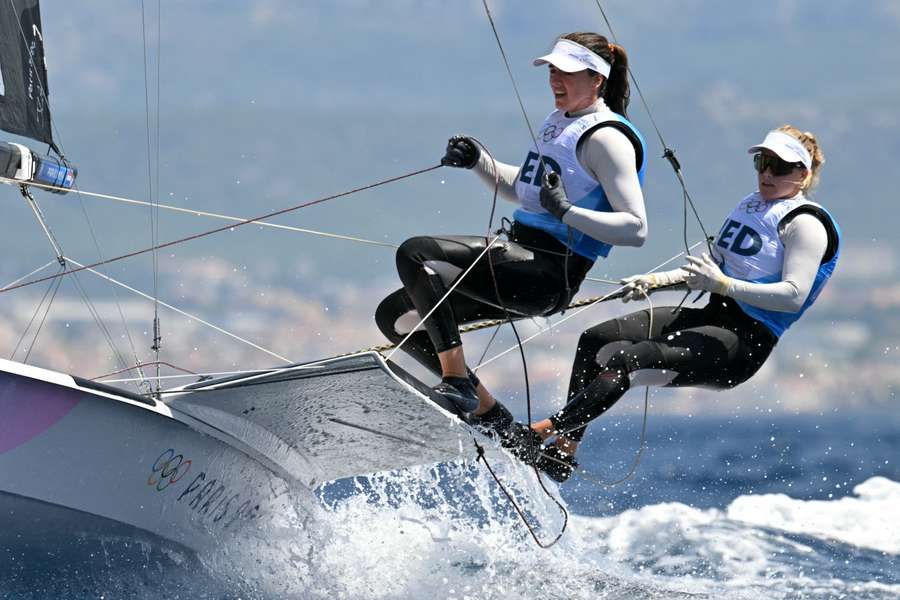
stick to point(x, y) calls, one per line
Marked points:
point(718, 346)
point(536, 272)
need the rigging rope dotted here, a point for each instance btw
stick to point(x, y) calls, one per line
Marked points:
point(34, 315)
point(58, 149)
point(154, 197)
point(202, 213)
point(668, 153)
point(225, 228)
point(509, 318)
point(60, 259)
point(55, 285)
point(459, 279)
point(35, 272)
point(179, 311)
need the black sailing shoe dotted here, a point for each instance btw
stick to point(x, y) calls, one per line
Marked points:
point(558, 465)
point(523, 441)
point(459, 391)
point(494, 421)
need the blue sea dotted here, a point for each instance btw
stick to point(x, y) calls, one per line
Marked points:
point(799, 507)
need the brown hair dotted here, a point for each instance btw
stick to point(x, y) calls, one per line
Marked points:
point(614, 91)
point(808, 139)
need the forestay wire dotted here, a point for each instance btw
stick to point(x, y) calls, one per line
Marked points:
point(58, 149)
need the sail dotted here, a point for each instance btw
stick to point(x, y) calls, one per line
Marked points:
point(23, 74)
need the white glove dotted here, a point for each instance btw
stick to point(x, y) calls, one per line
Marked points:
point(705, 274)
point(638, 286)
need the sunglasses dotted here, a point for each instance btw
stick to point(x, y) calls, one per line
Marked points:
point(778, 167)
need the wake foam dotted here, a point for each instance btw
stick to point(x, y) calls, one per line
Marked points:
point(869, 520)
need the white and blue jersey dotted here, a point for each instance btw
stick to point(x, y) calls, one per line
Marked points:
point(751, 250)
point(557, 146)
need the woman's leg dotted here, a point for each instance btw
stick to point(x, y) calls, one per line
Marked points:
point(428, 266)
point(617, 354)
point(510, 277)
point(396, 316)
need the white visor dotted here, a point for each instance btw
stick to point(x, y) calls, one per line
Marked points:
point(786, 147)
point(571, 57)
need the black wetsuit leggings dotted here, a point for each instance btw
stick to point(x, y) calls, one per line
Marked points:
point(717, 346)
point(531, 270)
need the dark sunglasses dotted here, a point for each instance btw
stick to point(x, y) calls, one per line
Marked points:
point(778, 167)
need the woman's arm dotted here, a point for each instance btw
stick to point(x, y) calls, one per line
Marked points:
point(508, 174)
point(609, 157)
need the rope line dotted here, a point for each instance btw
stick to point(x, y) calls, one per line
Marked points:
point(522, 516)
point(225, 228)
point(58, 149)
point(201, 213)
point(583, 305)
point(188, 372)
point(33, 317)
point(444, 297)
point(179, 311)
point(509, 318)
point(55, 285)
point(668, 153)
point(92, 310)
point(35, 272)
point(153, 186)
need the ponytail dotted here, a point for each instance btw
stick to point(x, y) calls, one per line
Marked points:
point(809, 141)
point(616, 92)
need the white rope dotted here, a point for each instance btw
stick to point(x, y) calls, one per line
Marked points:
point(181, 312)
point(201, 213)
point(576, 313)
point(24, 277)
point(185, 376)
point(450, 291)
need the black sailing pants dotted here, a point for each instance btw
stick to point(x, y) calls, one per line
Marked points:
point(534, 273)
point(718, 346)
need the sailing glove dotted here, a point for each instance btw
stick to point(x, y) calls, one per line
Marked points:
point(553, 195)
point(462, 152)
point(705, 274)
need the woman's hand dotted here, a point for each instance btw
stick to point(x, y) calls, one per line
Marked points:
point(705, 274)
point(553, 195)
point(462, 152)
point(637, 287)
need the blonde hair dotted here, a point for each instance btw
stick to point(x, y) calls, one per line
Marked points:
point(808, 139)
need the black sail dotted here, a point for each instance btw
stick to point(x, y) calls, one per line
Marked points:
point(23, 88)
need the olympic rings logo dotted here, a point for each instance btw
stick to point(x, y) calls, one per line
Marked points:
point(168, 469)
point(550, 132)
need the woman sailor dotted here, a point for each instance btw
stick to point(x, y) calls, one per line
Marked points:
point(579, 193)
point(772, 257)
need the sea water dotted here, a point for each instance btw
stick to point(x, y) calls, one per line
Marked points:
point(804, 507)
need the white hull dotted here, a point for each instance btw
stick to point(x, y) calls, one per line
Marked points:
point(221, 459)
point(127, 462)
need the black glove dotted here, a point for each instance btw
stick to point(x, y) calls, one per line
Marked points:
point(553, 195)
point(461, 152)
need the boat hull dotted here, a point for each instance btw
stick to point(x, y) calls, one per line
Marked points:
point(66, 451)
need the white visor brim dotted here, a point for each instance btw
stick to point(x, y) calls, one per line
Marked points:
point(786, 147)
point(571, 57)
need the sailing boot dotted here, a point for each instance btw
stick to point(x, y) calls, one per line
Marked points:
point(523, 442)
point(558, 465)
point(460, 392)
point(494, 421)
